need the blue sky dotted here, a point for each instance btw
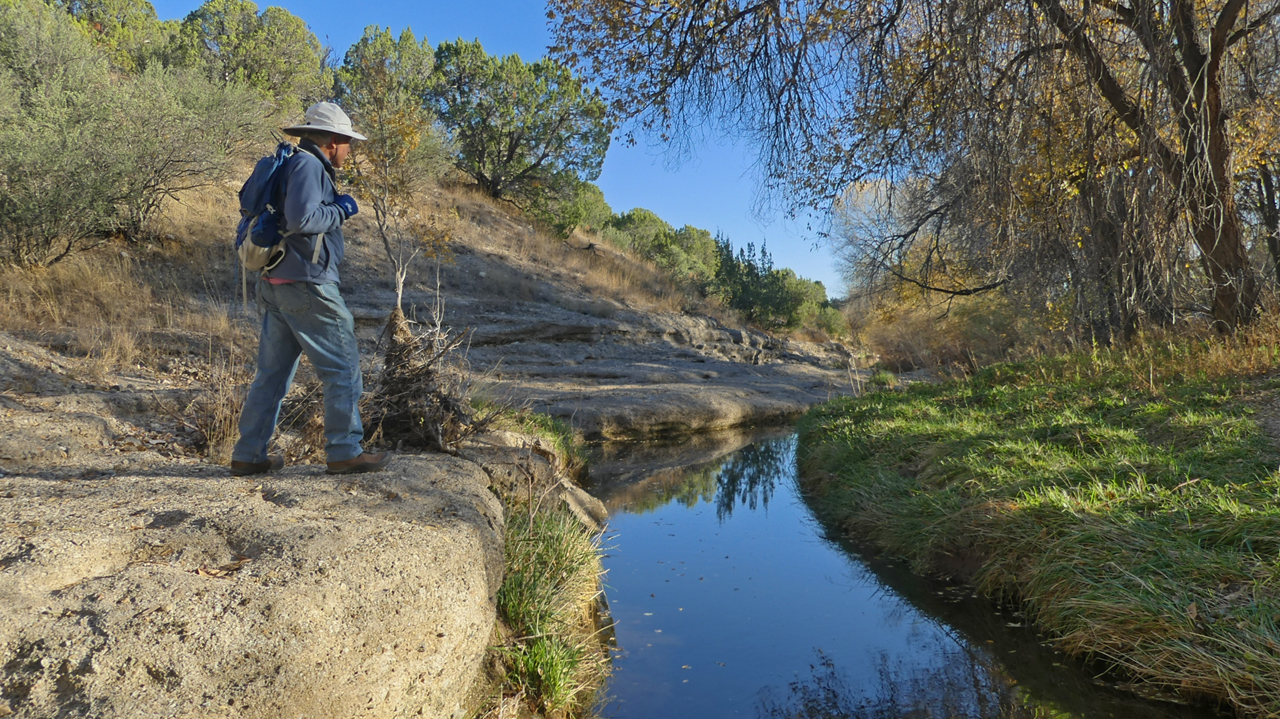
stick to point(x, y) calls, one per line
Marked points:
point(714, 189)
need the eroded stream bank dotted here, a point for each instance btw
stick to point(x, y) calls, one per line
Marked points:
point(729, 601)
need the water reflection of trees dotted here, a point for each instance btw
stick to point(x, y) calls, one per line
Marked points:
point(750, 476)
point(746, 478)
point(687, 487)
point(967, 683)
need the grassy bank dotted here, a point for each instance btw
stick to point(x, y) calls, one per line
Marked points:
point(549, 659)
point(554, 661)
point(1130, 498)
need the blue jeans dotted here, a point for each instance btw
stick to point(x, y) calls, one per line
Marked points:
point(304, 317)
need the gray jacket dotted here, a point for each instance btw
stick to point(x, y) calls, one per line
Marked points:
point(310, 213)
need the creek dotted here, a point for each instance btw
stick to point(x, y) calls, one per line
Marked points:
point(728, 599)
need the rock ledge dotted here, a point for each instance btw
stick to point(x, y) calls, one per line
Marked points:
point(298, 595)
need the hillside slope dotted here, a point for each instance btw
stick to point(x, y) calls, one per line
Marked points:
point(593, 336)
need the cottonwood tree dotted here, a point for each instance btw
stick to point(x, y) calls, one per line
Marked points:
point(839, 91)
point(525, 132)
point(1256, 129)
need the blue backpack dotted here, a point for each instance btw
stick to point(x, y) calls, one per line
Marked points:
point(259, 241)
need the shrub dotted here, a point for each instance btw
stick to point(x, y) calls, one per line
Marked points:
point(56, 182)
point(688, 254)
point(586, 210)
point(174, 131)
point(883, 378)
point(273, 52)
point(831, 321)
point(774, 299)
point(84, 154)
point(128, 31)
point(973, 332)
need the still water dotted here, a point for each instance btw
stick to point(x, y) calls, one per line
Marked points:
point(728, 601)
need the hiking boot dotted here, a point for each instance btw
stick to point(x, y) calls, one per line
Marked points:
point(244, 469)
point(364, 463)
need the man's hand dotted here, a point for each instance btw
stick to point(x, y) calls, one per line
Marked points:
point(348, 205)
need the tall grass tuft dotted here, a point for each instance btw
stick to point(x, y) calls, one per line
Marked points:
point(548, 601)
point(1129, 496)
point(215, 413)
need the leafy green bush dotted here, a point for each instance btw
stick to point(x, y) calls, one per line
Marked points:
point(526, 132)
point(273, 52)
point(174, 131)
point(772, 298)
point(831, 321)
point(634, 229)
point(586, 210)
point(83, 153)
point(128, 31)
point(56, 181)
point(688, 254)
point(883, 378)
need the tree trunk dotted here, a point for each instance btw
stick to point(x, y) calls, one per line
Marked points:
point(1270, 217)
point(1216, 219)
point(1235, 285)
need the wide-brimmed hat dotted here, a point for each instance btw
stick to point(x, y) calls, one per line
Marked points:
point(326, 117)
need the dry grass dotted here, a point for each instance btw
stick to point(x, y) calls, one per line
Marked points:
point(301, 437)
point(81, 306)
point(129, 305)
point(103, 306)
point(968, 333)
point(602, 272)
point(215, 414)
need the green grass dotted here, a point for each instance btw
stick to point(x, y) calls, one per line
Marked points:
point(547, 598)
point(563, 441)
point(1129, 498)
point(882, 378)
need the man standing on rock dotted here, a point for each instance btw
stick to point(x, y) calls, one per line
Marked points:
point(303, 310)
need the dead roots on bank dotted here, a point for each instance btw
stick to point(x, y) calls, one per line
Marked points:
point(423, 394)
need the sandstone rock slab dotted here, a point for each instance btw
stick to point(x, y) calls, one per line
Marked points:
point(298, 595)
